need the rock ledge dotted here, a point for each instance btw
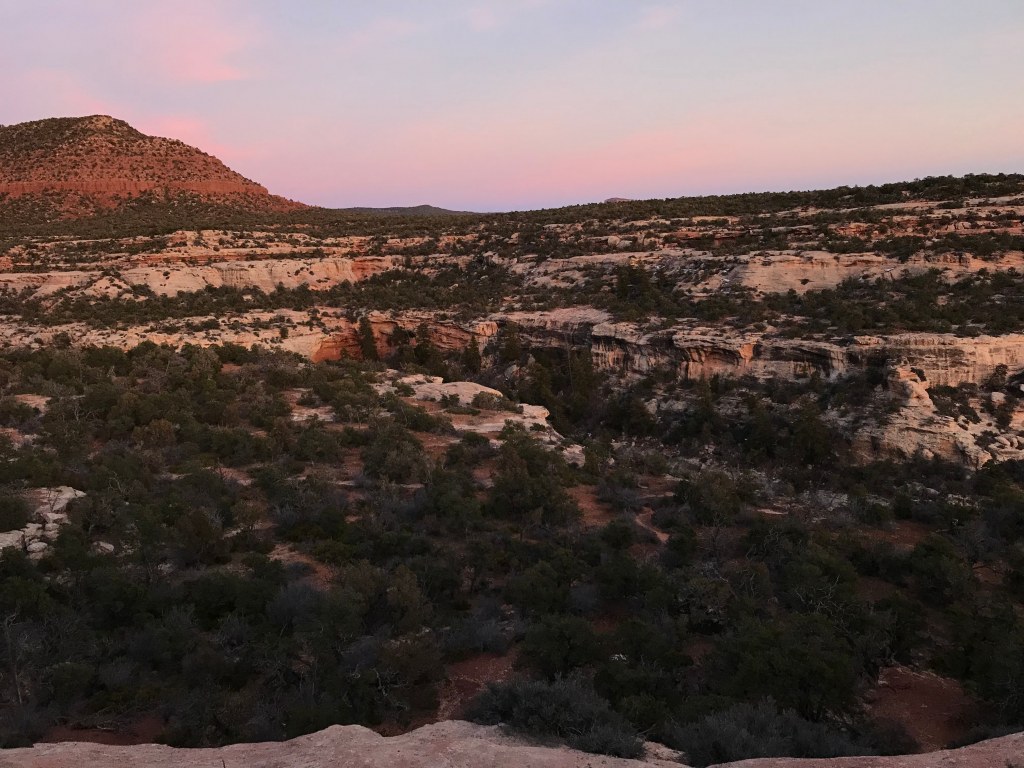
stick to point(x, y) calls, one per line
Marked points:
point(452, 744)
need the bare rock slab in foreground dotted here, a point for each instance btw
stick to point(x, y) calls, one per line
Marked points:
point(451, 744)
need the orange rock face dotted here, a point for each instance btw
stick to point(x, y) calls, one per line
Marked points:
point(343, 340)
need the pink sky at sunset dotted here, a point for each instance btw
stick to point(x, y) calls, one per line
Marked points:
point(487, 105)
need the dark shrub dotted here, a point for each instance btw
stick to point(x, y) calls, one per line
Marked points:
point(14, 513)
point(394, 453)
point(557, 645)
point(758, 730)
point(564, 709)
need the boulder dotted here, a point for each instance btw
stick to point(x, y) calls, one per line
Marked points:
point(13, 539)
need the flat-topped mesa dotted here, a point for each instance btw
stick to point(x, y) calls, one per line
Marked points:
point(106, 160)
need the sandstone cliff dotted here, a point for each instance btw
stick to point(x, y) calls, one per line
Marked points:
point(168, 280)
point(800, 271)
point(696, 351)
point(915, 362)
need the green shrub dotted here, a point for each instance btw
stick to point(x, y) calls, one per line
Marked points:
point(801, 661)
point(394, 454)
point(485, 401)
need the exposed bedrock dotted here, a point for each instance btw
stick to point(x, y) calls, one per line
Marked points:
point(623, 348)
point(388, 329)
point(451, 743)
point(265, 275)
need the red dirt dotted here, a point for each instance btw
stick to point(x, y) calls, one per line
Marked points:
point(903, 534)
point(146, 730)
point(934, 710)
point(435, 446)
point(239, 476)
point(468, 677)
point(873, 589)
point(321, 576)
point(595, 514)
point(644, 520)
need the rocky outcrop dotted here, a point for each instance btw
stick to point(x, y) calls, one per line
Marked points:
point(45, 283)
point(343, 339)
point(265, 275)
point(917, 428)
point(566, 327)
point(947, 359)
point(802, 271)
point(916, 362)
point(488, 411)
point(693, 352)
point(171, 279)
point(48, 519)
point(779, 272)
point(454, 744)
point(700, 352)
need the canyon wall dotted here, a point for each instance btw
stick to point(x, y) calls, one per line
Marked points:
point(693, 352)
point(171, 279)
point(802, 271)
point(343, 339)
point(696, 352)
point(914, 362)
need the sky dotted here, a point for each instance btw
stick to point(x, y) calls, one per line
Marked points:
point(522, 104)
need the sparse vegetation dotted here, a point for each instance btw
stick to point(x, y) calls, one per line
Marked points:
point(268, 546)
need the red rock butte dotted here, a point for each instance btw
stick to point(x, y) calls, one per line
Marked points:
point(107, 160)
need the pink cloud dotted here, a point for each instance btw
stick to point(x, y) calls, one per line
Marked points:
point(482, 18)
point(192, 41)
point(186, 128)
point(659, 17)
point(490, 163)
point(51, 92)
point(381, 32)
